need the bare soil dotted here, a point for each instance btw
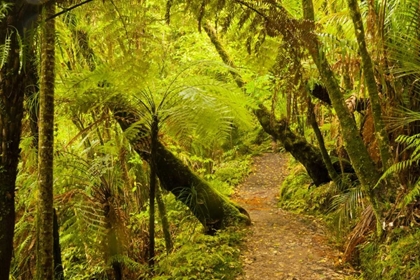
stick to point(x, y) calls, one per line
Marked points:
point(280, 244)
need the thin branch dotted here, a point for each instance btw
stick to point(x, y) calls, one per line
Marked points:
point(67, 10)
point(253, 9)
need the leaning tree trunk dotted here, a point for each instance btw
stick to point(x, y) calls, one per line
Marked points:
point(13, 84)
point(308, 155)
point(212, 209)
point(45, 211)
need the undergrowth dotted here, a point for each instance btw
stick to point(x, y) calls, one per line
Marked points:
point(296, 193)
point(196, 255)
point(199, 256)
point(395, 256)
point(396, 259)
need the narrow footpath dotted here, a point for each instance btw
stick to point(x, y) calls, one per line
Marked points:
point(281, 245)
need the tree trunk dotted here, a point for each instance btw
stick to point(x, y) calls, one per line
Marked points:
point(153, 185)
point(359, 157)
point(45, 211)
point(300, 149)
point(380, 131)
point(212, 209)
point(13, 84)
point(324, 153)
point(164, 218)
point(308, 155)
point(112, 246)
point(58, 264)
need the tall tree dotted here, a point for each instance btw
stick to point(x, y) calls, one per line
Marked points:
point(360, 159)
point(13, 83)
point(45, 211)
point(380, 131)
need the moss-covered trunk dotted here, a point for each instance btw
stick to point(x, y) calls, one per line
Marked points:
point(308, 155)
point(380, 131)
point(211, 208)
point(45, 210)
point(300, 149)
point(360, 159)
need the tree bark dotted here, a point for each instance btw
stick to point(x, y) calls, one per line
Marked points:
point(13, 84)
point(324, 153)
point(45, 211)
point(212, 209)
point(164, 219)
point(380, 131)
point(308, 155)
point(359, 157)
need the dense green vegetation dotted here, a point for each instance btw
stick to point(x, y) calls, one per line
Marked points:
point(158, 107)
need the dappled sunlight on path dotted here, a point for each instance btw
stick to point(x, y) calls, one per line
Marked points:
point(281, 245)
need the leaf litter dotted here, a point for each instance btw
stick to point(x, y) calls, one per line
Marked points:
point(281, 245)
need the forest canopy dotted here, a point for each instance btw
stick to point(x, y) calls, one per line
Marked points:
point(110, 107)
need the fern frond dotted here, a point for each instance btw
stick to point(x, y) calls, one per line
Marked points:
point(5, 49)
point(395, 168)
point(411, 196)
point(348, 204)
point(4, 9)
point(412, 142)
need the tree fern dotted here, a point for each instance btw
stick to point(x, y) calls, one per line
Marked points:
point(412, 144)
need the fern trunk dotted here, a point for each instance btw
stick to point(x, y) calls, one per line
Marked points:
point(152, 191)
point(212, 209)
point(112, 246)
point(58, 264)
point(13, 83)
point(164, 219)
point(45, 212)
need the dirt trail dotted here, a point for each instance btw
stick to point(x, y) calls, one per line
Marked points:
point(281, 245)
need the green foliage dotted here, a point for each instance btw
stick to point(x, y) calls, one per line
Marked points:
point(412, 145)
point(338, 206)
point(233, 171)
point(295, 192)
point(200, 256)
point(4, 9)
point(397, 260)
point(5, 49)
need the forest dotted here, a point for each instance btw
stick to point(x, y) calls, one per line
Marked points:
point(127, 127)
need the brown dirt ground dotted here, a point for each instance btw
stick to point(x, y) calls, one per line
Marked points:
point(280, 244)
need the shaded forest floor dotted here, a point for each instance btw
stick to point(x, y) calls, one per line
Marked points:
point(280, 244)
